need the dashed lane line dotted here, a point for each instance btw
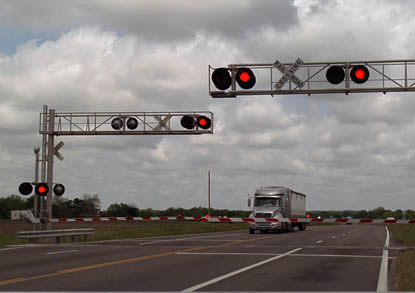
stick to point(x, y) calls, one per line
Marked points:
point(10, 248)
point(63, 251)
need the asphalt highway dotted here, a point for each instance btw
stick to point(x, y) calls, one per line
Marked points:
point(321, 258)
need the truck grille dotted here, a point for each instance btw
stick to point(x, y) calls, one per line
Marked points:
point(263, 215)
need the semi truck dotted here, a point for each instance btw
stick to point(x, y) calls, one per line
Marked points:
point(277, 202)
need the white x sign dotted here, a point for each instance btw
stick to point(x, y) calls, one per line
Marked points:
point(162, 123)
point(288, 74)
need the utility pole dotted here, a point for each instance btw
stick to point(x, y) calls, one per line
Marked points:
point(44, 154)
point(209, 192)
point(51, 151)
point(36, 197)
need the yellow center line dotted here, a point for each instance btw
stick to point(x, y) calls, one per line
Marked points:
point(128, 260)
point(11, 281)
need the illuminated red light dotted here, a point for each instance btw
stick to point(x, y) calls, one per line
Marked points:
point(360, 74)
point(308, 216)
point(42, 189)
point(202, 122)
point(245, 76)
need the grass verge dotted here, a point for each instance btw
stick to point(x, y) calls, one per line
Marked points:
point(120, 230)
point(405, 264)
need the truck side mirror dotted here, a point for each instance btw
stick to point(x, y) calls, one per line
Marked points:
point(249, 202)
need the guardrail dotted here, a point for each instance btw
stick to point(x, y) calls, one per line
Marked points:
point(58, 234)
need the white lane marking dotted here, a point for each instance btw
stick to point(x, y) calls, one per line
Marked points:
point(212, 281)
point(333, 237)
point(273, 254)
point(9, 248)
point(207, 234)
point(63, 251)
point(349, 232)
point(190, 238)
point(160, 241)
point(383, 273)
point(320, 241)
point(343, 234)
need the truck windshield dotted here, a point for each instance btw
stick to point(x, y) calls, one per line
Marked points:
point(267, 202)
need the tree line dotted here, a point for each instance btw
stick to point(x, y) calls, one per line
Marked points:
point(89, 206)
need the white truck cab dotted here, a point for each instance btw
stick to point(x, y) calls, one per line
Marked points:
point(277, 202)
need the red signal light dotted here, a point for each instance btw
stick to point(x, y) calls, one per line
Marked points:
point(41, 189)
point(203, 122)
point(359, 74)
point(245, 78)
point(308, 216)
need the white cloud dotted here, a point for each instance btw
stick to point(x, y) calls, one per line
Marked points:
point(343, 151)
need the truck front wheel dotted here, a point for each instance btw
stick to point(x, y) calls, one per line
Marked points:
point(288, 227)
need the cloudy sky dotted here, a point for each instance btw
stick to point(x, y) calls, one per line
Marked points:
point(344, 152)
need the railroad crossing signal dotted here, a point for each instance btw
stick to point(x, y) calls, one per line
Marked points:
point(358, 74)
point(59, 189)
point(42, 189)
point(118, 123)
point(111, 123)
point(245, 78)
point(312, 78)
point(25, 188)
point(191, 121)
point(222, 79)
point(126, 123)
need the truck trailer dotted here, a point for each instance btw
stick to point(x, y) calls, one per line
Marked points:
point(277, 202)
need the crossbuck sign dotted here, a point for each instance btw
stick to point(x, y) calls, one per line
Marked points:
point(288, 74)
